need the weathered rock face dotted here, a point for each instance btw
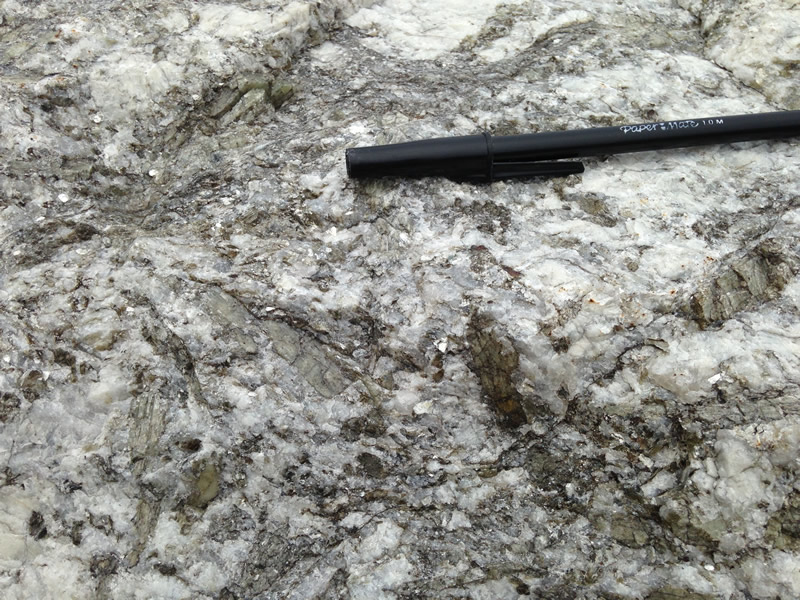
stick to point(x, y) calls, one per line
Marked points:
point(226, 371)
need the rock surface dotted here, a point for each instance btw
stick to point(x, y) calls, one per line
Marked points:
point(227, 371)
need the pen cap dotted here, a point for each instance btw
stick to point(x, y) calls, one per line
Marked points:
point(462, 158)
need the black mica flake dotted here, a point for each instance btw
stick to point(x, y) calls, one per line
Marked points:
point(495, 361)
point(36, 526)
point(103, 565)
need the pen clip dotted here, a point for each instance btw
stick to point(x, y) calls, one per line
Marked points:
point(505, 170)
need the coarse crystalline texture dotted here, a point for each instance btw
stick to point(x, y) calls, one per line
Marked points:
point(227, 371)
point(758, 43)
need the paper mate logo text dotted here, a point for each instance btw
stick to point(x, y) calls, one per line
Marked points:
point(671, 125)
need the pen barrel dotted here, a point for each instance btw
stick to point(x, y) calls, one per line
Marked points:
point(646, 136)
point(484, 158)
point(464, 158)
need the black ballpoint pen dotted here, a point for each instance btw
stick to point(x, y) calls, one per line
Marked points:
point(487, 158)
